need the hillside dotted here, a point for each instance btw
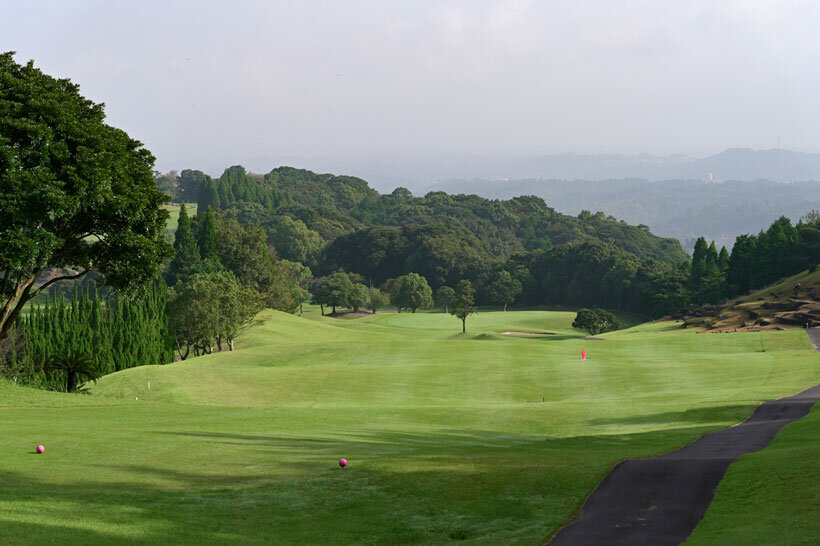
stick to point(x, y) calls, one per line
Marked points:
point(772, 308)
point(675, 207)
point(334, 206)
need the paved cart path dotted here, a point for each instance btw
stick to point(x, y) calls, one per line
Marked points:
point(660, 500)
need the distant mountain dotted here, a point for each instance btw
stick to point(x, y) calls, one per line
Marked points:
point(747, 164)
point(731, 164)
point(418, 173)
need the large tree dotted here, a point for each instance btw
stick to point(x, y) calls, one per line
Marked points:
point(75, 194)
point(293, 240)
point(596, 321)
point(414, 292)
point(444, 297)
point(504, 288)
point(210, 309)
point(376, 299)
point(332, 291)
point(190, 182)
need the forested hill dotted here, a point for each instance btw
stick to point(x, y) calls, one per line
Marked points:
point(684, 209)
point(330, 206)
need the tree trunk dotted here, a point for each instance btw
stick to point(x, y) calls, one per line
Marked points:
point(71, 381)
point(196, 349)
point(464, 325)
point(219, 343)
point(333, 312)
point(505, 307)
point(300, 310)
point(230, 343)
point(322, 307)
point(14, 305)
point(179, 350)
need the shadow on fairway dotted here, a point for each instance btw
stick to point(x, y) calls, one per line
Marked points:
point(399, 487)
point(695, 415)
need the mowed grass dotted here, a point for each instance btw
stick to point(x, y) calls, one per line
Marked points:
point(483, 437)
point(770, 497)
point(173, 214)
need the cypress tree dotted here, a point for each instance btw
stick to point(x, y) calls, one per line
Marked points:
point(723, 260)
point(698, 263)
point(207, 238)
point(186, 257)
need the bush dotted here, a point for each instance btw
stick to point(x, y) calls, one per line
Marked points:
point(596, 321)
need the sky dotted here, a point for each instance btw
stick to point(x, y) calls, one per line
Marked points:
point(210, 84)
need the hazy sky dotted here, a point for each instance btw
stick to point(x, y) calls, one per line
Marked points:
point(208, 84)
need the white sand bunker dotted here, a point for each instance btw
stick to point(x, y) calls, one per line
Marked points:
point(528, 333)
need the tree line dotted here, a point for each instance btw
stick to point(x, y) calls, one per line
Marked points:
point(88, 334)
point(755, 261)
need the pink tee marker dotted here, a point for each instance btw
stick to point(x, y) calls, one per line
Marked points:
point(40, 449)
point(343, 462)
point(583, 355)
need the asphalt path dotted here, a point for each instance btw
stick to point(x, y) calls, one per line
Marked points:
point(660, 500)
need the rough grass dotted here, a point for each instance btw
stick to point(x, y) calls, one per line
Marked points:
point(446, 434)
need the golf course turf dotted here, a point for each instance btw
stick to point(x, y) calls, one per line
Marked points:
point(446, 435)
point(660, 500)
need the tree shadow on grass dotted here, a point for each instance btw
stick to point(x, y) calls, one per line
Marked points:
point(734, 413)
point(401, 487)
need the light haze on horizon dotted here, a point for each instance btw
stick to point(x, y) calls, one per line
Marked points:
point(260, 83)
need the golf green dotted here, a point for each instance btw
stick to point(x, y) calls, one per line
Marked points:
point(483, 437)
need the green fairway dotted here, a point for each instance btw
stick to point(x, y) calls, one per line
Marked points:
point(447, 436)
point(770, 497)
point(173, 214)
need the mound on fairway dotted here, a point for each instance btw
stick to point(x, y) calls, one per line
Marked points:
point(447, 437)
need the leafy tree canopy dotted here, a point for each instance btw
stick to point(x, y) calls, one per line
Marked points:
point(74, 192)
point(464, 303)
point(596, 321)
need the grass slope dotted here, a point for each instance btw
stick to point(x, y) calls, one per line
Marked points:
point(770, 497)
point(447, 435)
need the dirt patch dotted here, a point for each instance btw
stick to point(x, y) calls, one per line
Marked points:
point(527, 333)
point(776, 307)
point(349, 315)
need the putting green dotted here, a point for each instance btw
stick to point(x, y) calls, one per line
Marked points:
point(447, 436)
